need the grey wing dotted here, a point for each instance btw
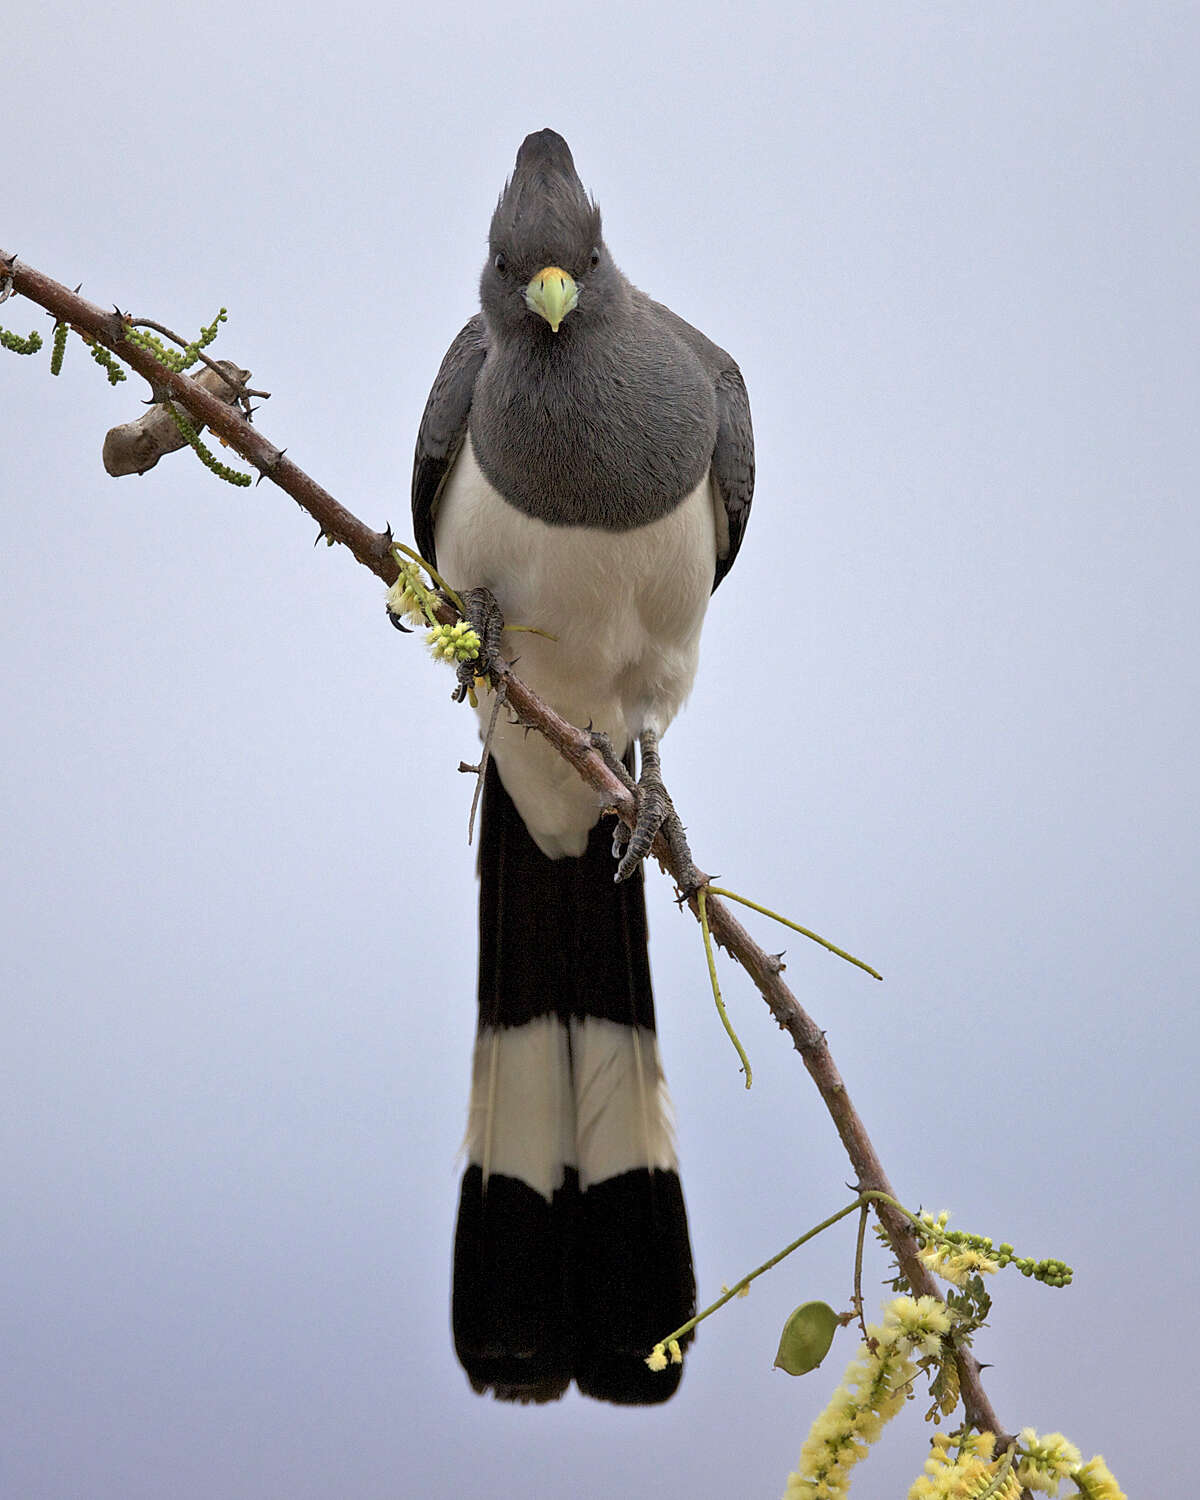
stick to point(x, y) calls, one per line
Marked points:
point(443, 428)
point(733, 463)
point(733, 455)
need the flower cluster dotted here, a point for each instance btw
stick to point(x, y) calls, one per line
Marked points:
point(1035, 1463)
point(873, 1390)
point(970, 1473)
point(408, 598)
point(1095, 1481)
point(208, 334)
point(209, 459)
point(457, 642)
point(955, 1255)
point(61, 330)
point(18, 345)
point(105, 360)
point(658, 1357)
point(1042, 1462)
point(175, 359)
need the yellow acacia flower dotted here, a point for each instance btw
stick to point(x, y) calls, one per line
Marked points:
point(1045, 1461)
point(874, 1388)
point(403, 602)
point(457, 642)
point(922, 1321)
point(966, 1475)
point(1096, 1481)
point(955, 1263)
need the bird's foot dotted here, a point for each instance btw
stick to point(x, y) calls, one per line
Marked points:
point(655, 814)
point(485, 619)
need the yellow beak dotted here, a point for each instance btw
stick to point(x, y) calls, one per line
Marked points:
point(552, 294)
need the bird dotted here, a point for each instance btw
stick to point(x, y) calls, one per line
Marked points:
point(587, 457)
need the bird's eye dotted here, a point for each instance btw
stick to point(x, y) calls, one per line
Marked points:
point(595, 257)
point(501, 263)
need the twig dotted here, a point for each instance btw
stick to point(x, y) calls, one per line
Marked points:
point(813, 937)
point(484, 756)
point(702, 903)
point(858, 1265)
point(728, 1293)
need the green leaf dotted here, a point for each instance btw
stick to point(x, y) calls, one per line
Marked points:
point(806, 1338)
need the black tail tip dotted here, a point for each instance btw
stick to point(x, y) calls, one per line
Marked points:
point(578, 1288)
point(621, 1379)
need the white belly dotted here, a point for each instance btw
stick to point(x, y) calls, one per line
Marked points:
point(626, 609)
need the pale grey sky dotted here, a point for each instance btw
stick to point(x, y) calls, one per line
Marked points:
point(947, 715)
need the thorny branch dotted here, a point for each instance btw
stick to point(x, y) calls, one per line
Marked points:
point(373, 550)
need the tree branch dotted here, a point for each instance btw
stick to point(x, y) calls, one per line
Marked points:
point(373, 550)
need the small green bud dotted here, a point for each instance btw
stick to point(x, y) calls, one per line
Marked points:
point(60, 345)
point(18, 345)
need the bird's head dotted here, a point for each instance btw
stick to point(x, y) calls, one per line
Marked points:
point(547, 265)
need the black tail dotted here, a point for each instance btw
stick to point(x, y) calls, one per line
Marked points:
point(571, 1257)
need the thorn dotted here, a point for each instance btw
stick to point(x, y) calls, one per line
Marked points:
point(474, 770)
point(399, 624)
point(387, 534)
point(320, 531)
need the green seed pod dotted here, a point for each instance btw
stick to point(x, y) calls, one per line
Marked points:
point(806, 1338)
